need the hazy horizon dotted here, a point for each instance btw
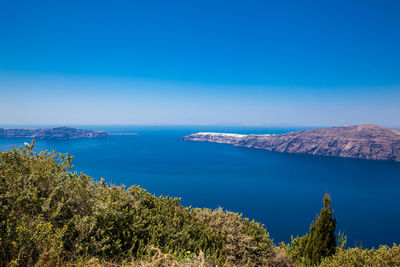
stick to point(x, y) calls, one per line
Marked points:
point(220, 125)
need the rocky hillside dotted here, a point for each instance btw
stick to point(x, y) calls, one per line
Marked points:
point(60, 133)
point(359, 141)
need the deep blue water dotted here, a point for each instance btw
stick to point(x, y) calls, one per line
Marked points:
point(283, 191)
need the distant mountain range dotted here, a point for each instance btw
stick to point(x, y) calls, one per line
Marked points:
point(59, 133)
point(365, 141)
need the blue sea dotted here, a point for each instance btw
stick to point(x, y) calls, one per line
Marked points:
point(283, 191)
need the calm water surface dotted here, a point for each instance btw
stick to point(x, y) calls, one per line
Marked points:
point(283, 191)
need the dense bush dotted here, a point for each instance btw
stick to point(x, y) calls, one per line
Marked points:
point(296, 250)
point(247, 242)
point(49, 214)
point(355, 257)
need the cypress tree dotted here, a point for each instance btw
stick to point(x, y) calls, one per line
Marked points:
point(322, 241)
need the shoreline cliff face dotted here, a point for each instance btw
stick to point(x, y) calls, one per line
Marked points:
point(59, 133)
point(359, 141)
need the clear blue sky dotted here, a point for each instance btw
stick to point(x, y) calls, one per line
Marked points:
point(200, 62)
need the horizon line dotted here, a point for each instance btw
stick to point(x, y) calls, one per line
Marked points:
point(54, 125)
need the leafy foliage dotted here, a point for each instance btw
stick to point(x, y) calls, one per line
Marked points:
point(355, 257)
point(51, 215)
point(247, 242)
point(296, 250)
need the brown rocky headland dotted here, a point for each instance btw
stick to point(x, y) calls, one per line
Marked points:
point(365, 141)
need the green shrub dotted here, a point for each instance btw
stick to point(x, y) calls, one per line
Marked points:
point(322, 240)
point(49, 214)
point(38, 197)
point(296, 250)
point(247, 242)
point(354, 257)
point(311, 248)
point(129, 221)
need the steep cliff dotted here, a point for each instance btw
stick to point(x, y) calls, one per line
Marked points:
point(359, 141)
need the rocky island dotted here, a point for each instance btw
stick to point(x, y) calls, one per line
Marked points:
point(59, 133)
point(365, 141)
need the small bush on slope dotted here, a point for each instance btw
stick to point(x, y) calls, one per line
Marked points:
point(247, 242)
point(355, 257)
point(295, 250)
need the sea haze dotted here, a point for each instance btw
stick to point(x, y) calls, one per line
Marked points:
point(283, 191)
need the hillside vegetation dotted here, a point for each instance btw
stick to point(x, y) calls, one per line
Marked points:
point(49, 214)
point(52, 216)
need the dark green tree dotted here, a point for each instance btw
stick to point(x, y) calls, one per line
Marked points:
point(322, 241)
